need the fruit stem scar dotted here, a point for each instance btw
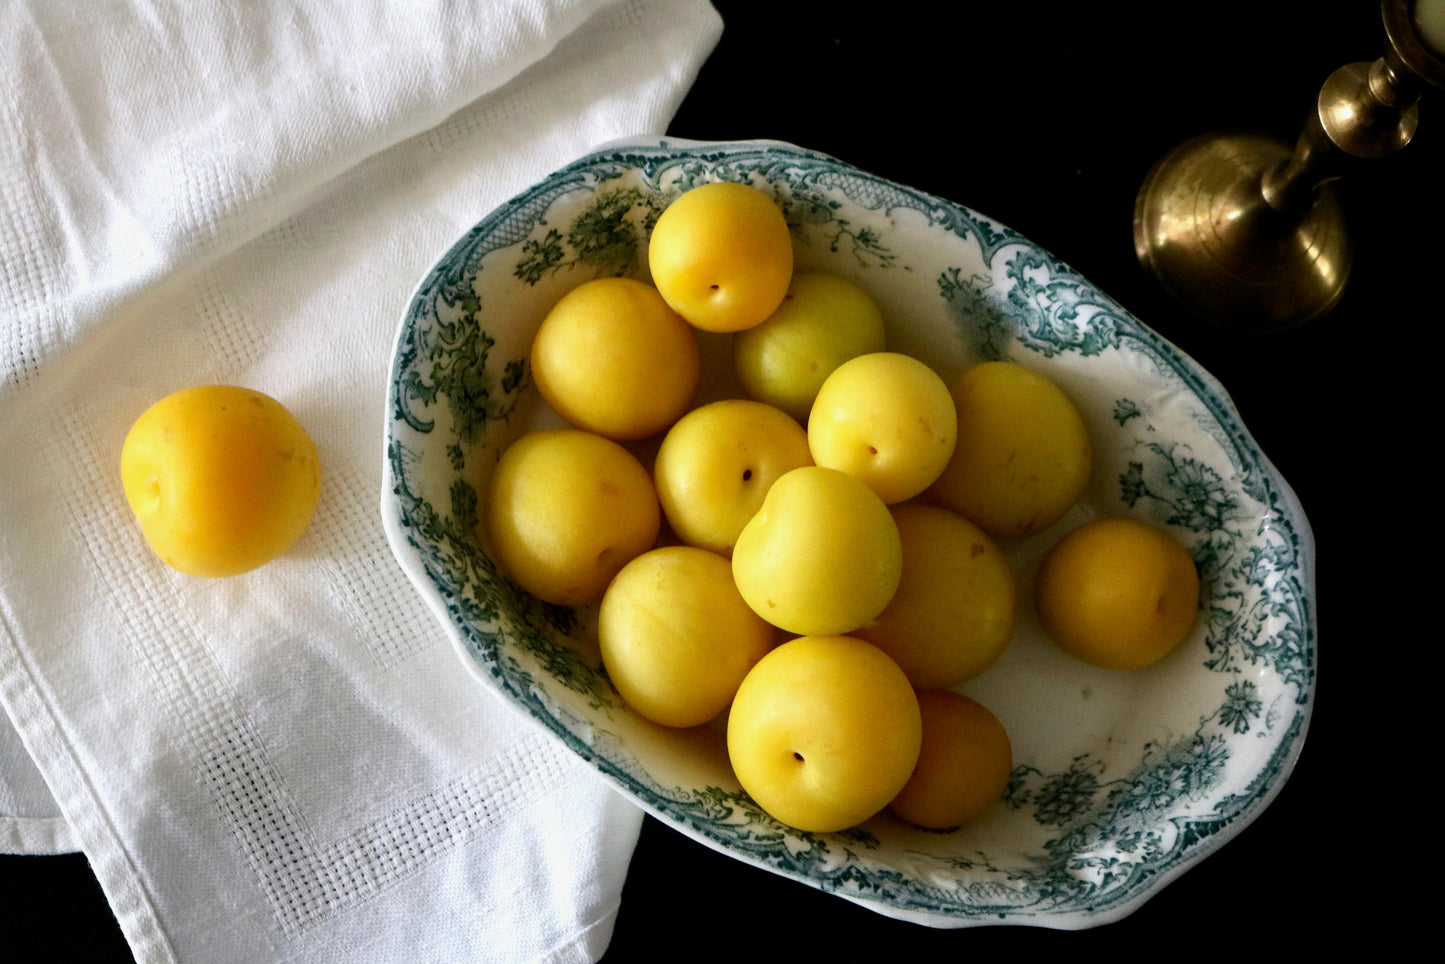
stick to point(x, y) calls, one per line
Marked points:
point(747, 475)
point(797, 756)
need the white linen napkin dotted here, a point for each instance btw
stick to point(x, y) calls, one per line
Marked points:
point(291, 764)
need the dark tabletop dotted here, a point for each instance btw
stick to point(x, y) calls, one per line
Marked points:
point(1047, 116)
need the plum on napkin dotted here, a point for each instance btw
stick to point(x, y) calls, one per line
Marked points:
point(289, 764)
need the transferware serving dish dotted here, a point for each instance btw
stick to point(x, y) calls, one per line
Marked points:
point(1122, 780)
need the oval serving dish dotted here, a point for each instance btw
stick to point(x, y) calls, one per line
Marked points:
point(1122, 780)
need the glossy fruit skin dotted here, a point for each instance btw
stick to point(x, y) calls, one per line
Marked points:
point(963, 767)
point(221, 478)
point(565, 511)
point(721, 255)
point(885, 418)
point(612, 358)
point(1023, 455)
point(821, 557)
point(717, 463)
point(824, 732)
point(824, 320)
point(953, 614)
point(676, 637)
point(1118, 593)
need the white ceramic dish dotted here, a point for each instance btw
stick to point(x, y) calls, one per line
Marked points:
point(1122, 780)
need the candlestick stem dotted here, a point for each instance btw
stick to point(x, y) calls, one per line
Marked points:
point(1247, 232)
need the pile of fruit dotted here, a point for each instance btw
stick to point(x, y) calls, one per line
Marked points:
point(817, 559)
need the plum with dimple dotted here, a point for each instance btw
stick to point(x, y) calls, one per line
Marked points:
point(717, 463)
point(824, 732)
point(886, 418)
point(721, 255)
point(822, 555)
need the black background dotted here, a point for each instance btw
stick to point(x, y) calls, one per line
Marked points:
point(1047, 116)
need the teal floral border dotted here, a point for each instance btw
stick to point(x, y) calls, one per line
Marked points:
point(1112, 836)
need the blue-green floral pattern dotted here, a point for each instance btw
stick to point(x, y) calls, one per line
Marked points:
point(1098, 830)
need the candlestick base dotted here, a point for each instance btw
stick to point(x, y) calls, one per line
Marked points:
point(1202, 225)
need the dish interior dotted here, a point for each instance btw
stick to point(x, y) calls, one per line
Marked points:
point(1122, 779)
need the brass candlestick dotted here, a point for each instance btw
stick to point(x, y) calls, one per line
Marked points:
point(1249, 234)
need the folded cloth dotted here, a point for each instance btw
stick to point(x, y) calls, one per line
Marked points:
point(291, 764)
